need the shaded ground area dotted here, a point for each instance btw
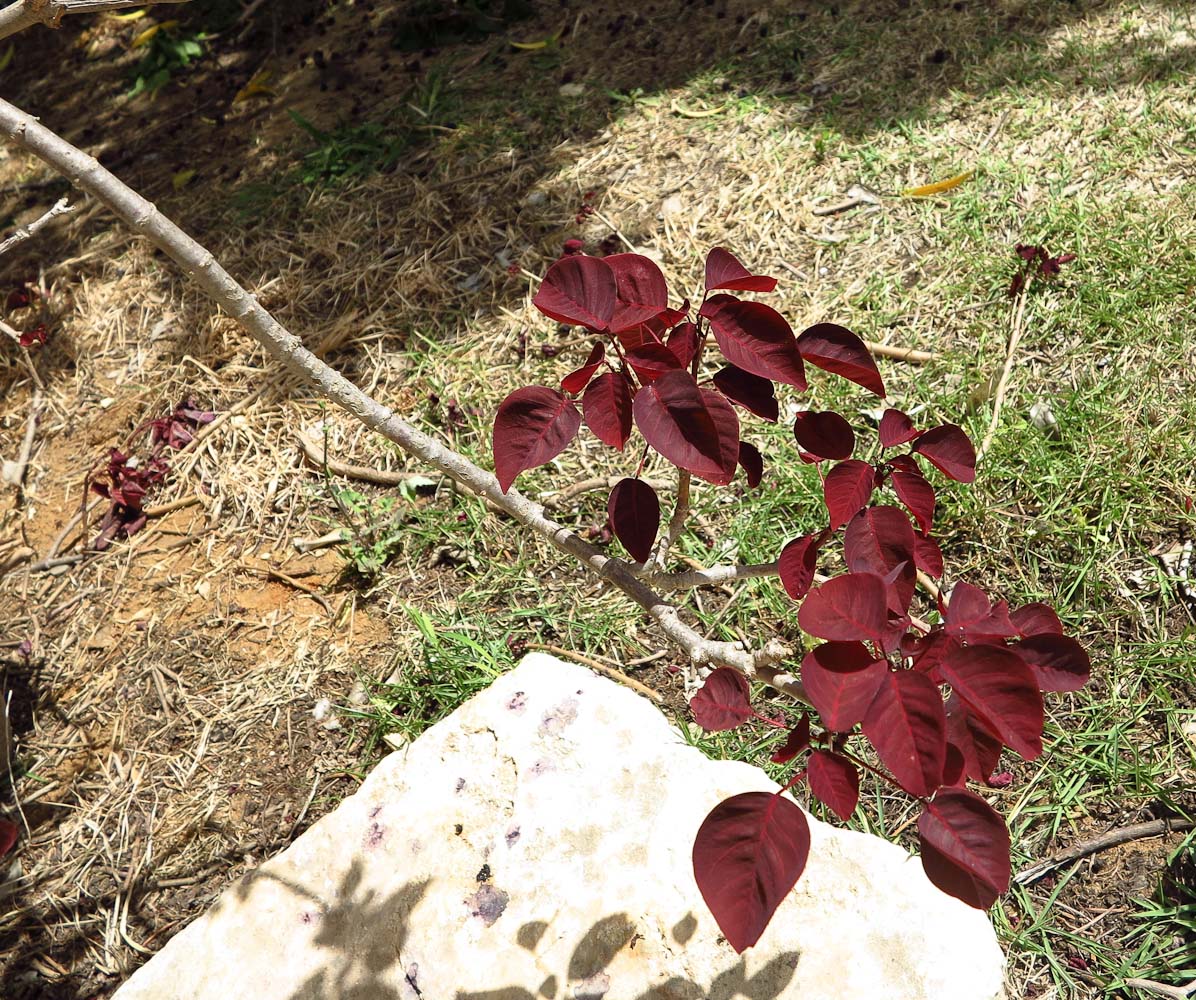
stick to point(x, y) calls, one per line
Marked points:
point(386, 177)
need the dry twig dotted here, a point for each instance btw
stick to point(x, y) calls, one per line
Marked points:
point(25, 13)
point(1015, 337)
point(23, 233)
point(1112, 838)
point(611, 672)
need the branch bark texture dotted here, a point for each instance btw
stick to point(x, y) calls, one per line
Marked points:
point(85, 173)
point(25, 13)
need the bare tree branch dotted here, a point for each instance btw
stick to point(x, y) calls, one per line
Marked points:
point(23, 233)
point(86, 173)
point(23, 13)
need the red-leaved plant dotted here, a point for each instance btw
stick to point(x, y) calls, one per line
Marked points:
point(938, 702)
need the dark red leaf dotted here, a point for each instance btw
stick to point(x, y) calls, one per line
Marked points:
point(533, 426)
point(752, 392)
point(577, 380)
point(642, 292)
point(917, 494)
point(18, 298)
point(954, 770)
point(634, 513)
point(1036, 619)
point(748, 854)
point(1058, 662)
point(878, 540)
point(683, 342)
point(756, 338)
point(607, 408)
point(841, 679)
point(8, 836)
point(650, 361)
point(836, 349)
point(950, 451)
point(752, 462)
point(723, 701)
point(637, 336)
point(696, 430)
point(1000, 690)
point(797, 564)
point(580, 291)
point(38, 335)
point(847, 490)
point(835, 782)
point(980, 750)
point(928, 557)
point(824, 434)
point(723, 270)
point(850, 607)
point(908, 727)
point(971, 616)
point(797, 740)
point(896, 428)
point(965, 847)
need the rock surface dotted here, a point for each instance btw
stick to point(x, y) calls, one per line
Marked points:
point(536, 843)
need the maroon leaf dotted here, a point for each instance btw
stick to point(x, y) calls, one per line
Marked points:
point(756, 338)
point(752, 392)
point(752, 462)
point(695, 430)
point(916, 493)
point(38, 335)
point(797, 740)
point(8, 836)
point(634, 513)
point(835, 782)
point(18, 298)
point(723, 701)
point(950, 451)
point(683, 342)
point(1000, 690)
point(723, 270)
point(580, 291)
point(577, 380)
point(841, 679)
point(908, 727)
point(850, 607)
point(640, 287)
point(971, 616)
point(1036, 619)
point(896, 428)
point(1058, 662)
point(637, 336)
point(650, 361)
point(824, 434)
point(965, 847)
point(836, 349)
point(928, 557)
point(980, 750)
point(533, 426)
point(797, 564)
point(606, 406)
point(878, 540)
point(847, 490)
point(955, 768)
point(748, 854)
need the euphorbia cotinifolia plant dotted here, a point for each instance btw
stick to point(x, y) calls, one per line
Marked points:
point(938, 701)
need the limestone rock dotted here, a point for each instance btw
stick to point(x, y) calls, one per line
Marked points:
point(536, 844)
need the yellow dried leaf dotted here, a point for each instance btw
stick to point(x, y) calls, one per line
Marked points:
point(6, 59)
point(181, 179)
point(531, 46)
point(938, 187)
point(257, 86)
point(147, 36)
point(136, 15)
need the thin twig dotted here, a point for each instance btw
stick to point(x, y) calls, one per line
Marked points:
point(676, 524)
point(199, 264)
point(910, 354)
point(380, 477)
point(1122, 835)
point(610, 672)
point(1015, 337)
point(1162, 989)
point(23, 233)
point(712, 577)
point(554, 501)
point(13, 473)
point(21, 15)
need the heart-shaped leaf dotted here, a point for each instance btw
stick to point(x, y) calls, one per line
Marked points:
point(753, 393)
point(824, 434)
point(533, 425)
point(895, 428)
point(849, 607)
point(908, 727)
point(835, 782)
point(723, 270)
point(579, 291)
point(606, 405)
point(841, 679)
point(847, 490)
point(756, 338)
point(1059, 663)
point(723, 701)
point(965, 847)
point(634, 512)
point(798, 562)
point(950, 451)
point(748, 855)
point(1000, 690)
point(695, 430)
point(917, 494)
point(836, 349)
point(577, 380)
point(640, 288)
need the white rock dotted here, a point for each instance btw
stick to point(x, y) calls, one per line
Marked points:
point(537, 843)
